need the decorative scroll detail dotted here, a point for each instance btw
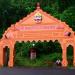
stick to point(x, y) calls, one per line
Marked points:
point(67, 33)
point(9, 35)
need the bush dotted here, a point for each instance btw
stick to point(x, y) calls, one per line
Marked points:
point(43, 61)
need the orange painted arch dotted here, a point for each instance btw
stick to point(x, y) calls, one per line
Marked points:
point(38, 25)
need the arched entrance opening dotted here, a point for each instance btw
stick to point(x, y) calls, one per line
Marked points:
point(70, 55)
point(47, 52)
point(5, 55)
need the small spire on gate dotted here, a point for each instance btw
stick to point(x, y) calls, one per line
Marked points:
point(38, 5)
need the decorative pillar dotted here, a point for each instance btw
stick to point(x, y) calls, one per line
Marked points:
point(11, 57)
point(64, 56)
point(1, 56)
point(74, 57)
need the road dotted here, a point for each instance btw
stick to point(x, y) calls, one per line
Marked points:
point(36, 71)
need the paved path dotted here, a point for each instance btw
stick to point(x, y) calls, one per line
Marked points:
point(41, 71)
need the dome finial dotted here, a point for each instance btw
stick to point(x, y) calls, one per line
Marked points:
point(38, 5)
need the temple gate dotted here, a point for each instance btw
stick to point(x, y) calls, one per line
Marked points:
point(38, 25)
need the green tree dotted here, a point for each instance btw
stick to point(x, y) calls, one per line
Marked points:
point(69, 17)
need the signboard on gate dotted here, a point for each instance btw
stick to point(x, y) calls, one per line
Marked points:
point(39, 27)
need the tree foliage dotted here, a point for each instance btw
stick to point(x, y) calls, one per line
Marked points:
point(69, 17)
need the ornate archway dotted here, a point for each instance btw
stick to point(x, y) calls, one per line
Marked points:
point(37, 26)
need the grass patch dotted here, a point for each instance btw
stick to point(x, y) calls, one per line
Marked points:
point(42, 61)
